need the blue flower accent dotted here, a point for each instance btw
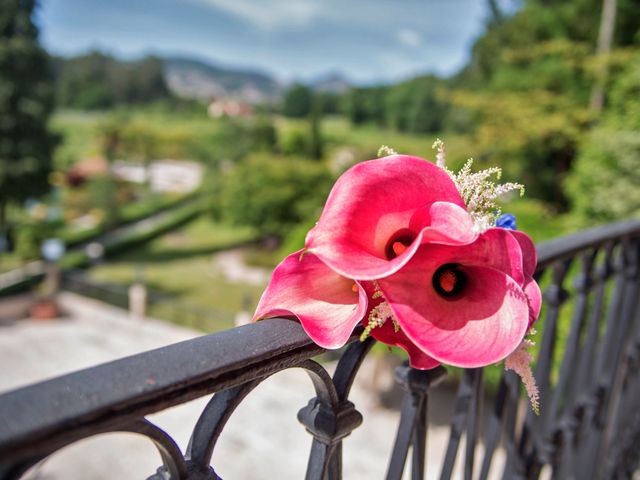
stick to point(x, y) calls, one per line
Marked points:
point(507, 221)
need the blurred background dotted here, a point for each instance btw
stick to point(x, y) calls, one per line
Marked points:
point(184, 148)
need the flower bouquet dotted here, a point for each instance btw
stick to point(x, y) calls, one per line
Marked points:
point(422, 259)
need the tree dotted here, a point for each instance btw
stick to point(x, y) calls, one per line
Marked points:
point(603, 185)
point(316, 144)
point(365, 104)
point(99, 81)
point(26, 102)
point(297, 101)
point(605, 39)
point(414, 106)
point(273, 194)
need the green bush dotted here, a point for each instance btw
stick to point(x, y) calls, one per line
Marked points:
point(180, 216)
point(295, 142)
point(273, 194)
point(27, 242)
point(103, 192)
point(128, 213)
point(606, 176)
point(297, 101)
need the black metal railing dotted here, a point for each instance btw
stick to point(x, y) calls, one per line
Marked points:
point(587, 370)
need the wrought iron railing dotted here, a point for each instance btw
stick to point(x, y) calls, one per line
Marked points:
point(587, 370)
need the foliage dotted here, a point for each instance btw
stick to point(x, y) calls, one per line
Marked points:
point(273, 194)
point(528, 85)
point(127, 213)
point(26, 102)
point(102, 195)
point(623, 109)
point(28, 238)
point(78, 131)
point(531, 109)
point(316, 143)
point(365, 105)
point(144, 134)
point(297, 101)
point(533, 136)
point(329, 102)
point(99, 81)
point(304, 137)
point(265, 135)
point(523, 98)
point(295, 142)
point(416, 106)
point(137, 236)
point(605, 183)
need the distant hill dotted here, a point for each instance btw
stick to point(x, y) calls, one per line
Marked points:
point(334, 82)
point(96, 80)
point(195, 79)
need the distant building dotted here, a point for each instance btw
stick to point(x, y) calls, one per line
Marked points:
point(229, 108)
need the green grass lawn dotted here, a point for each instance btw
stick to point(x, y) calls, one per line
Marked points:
point(79, 136)
point(170, 131)
point(180, 264)
point(9, 261)
point(338, 132)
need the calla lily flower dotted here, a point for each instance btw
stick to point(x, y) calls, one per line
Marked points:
point(390, 333)
point(417, 358)
point(396, 251)
point(379, 212)
point(328, 305)
point(465, 306)
point(530, 286)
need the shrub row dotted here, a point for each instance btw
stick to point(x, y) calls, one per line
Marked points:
point(128, 214)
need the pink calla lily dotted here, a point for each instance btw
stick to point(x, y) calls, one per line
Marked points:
point(379, 212)
point(328, 305)
point(464, 306)
point(396, 251)
point(417, 358)
point(530, 286)
point(389, 334)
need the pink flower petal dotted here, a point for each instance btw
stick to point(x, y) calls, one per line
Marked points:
point(496, 248)
point(449, 224)
point(534, 299)
point(322, 300)
point(376, 201)
point(481, 325)
point(417, 358)
point(529, 263)
point(529, 254)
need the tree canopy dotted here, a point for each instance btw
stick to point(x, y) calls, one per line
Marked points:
point(99, 81)
point(524, 96)
point(26, 102)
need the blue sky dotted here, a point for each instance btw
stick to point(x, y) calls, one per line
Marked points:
point(368, 40)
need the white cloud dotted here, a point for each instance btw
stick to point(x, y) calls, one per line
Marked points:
point(409, 38)
point(270, 14)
